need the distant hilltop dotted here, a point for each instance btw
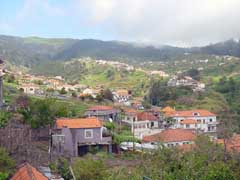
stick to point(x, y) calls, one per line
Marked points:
point(33, 50)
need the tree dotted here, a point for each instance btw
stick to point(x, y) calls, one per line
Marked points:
point(110, 74)
point(4, 117)
point(219, 171)
point(89, 169)
point(107, 94)
point(74, 94)
point(61, 166)
point(193, 73)
point(7, 164)
point(63, 91)
point(37, 112)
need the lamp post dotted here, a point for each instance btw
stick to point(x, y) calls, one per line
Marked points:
point(2, 66)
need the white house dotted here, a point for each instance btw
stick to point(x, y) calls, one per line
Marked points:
point(29, 88)
point(91, 92)
point(171, 137)
point(121, 96)
point(199, 119)
point(142, 123)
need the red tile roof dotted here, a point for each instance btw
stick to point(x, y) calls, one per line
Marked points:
point(122, 92)
point(130, 111)
point(171, 135)
point(232, 144)
point(100, 108)
point(168, 109)
point(143, 116)
point(189, 121)
point(187, 147)
point(190, 113)
point(28, 172)
point(91, 122)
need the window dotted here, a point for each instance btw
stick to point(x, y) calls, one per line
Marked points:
point(187, 126)
point(210, 120)
point(152, 124)
point(209, 128)
point(196, 114)
point(88, 133)
point(199, 120)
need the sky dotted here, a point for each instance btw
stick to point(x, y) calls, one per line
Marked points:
point(157, 22)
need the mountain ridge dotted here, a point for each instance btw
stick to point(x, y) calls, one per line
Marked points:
point(30, 51)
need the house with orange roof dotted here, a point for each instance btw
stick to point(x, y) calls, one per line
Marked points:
point(171, 137)
point(121, 95)
point(30, 88)
point(200, 120)
point(232, 144)
point(141, 123)
point(76, 136)
point(28, 172)
point(92, 92)
point(168, 110)
point(105, 113)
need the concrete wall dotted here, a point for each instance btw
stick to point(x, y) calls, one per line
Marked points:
point(75, 137)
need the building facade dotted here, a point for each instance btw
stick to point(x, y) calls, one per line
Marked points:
point(77, 137)
point(105, 113)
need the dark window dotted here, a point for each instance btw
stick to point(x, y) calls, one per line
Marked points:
point(152, 124)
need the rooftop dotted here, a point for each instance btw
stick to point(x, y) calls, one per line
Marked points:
point(171, 135)
point(100, 108)
point(189, 121)
point(130, 111)
point(28, 172)
point(78, 123)
point(143, 116)
point(191, 113)
point(232, 144)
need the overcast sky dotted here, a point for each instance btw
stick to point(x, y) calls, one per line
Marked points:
point(173, 22)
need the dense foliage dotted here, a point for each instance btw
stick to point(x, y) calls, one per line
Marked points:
point(7, 164)
point(42, 112)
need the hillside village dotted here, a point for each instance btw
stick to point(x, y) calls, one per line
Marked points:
point(98, 127)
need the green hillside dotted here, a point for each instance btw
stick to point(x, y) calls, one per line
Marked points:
point(90, 73)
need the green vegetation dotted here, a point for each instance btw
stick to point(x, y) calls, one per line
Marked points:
point(42, 112)
point(92, 74)
point(4, 117)
point(61, 166)
point(7, 164)
point(206, 161)
point(89, 169)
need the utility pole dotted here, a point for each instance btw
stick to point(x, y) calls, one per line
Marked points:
point(2, 66)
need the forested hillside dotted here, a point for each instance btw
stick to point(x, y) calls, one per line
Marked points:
point(33, 50)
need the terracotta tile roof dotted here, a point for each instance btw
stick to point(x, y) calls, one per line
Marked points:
point(168, 109)
point(171, 135)
point(232, 144)
point(143, 116)
point(189, 121)
point(191, 113)
point(91, 122)
point(100, 108)
point(130, 111)
point(186, 147)
point(28, 172)
point(122, 92)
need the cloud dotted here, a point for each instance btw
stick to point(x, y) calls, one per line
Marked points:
point(174, 22)
point(185, 22)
